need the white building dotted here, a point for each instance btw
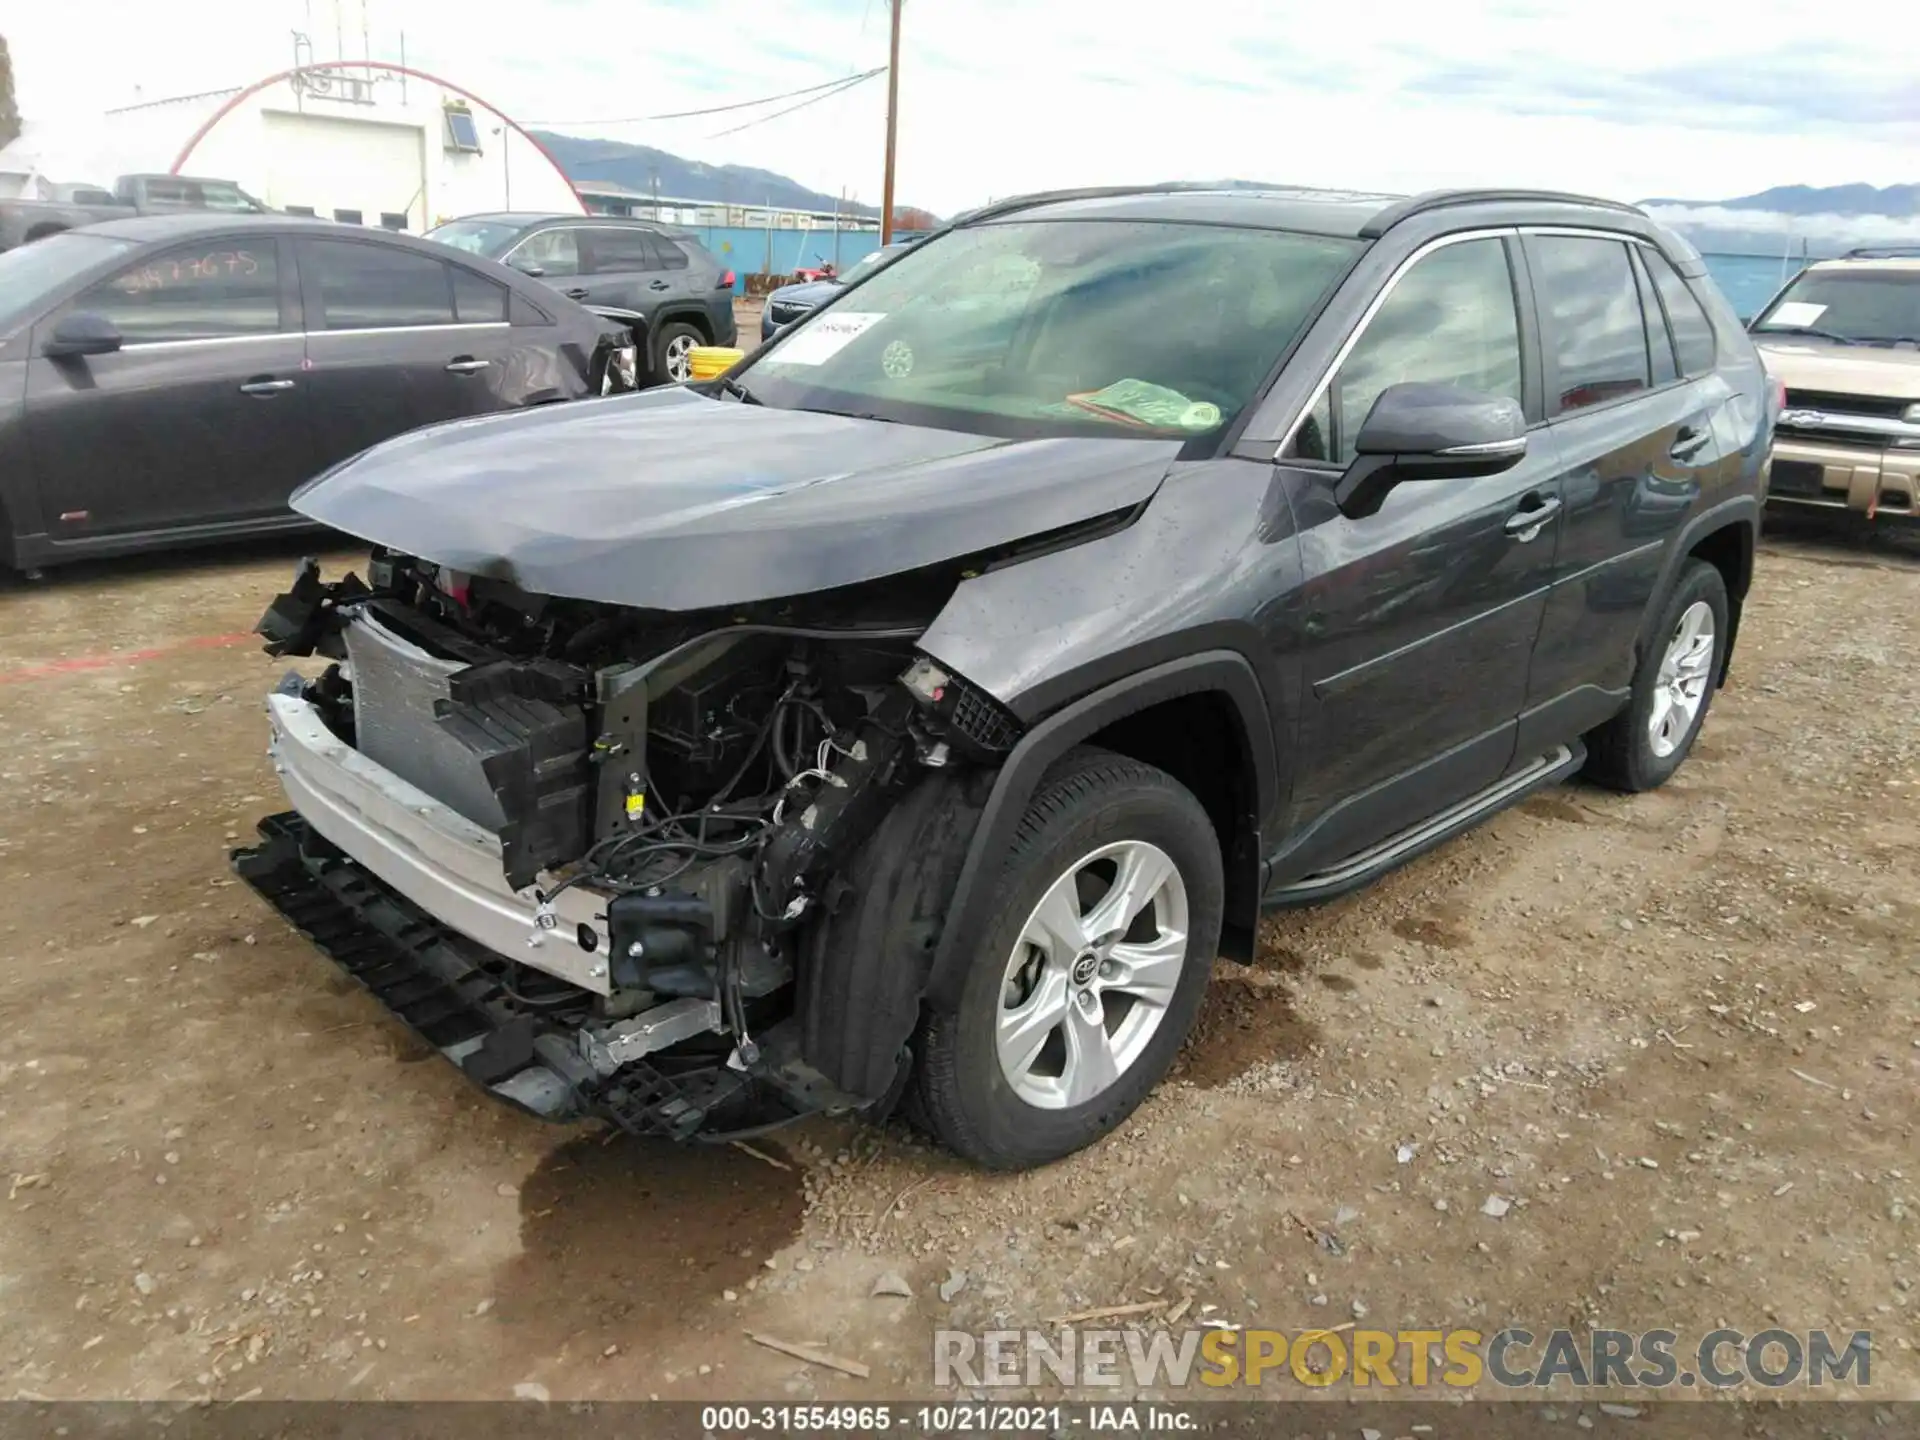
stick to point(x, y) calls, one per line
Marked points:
point(364, 142)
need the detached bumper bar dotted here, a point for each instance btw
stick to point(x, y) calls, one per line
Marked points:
point(427, 851)
point(447, 989)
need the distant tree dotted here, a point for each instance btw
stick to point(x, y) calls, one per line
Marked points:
point(906, 217)
point(9, 112)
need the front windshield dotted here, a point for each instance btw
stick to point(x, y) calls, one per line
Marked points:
point(30, 273)
point(476, 237)
point(1059, 327)
point(1857, 304)
point(866, 265)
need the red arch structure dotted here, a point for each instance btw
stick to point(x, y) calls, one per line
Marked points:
point(233, 102)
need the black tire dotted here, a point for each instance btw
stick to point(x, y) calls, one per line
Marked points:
point(961, 1092)
point(668, 338)
point(1620, 754)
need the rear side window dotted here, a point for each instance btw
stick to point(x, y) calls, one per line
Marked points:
point(476, 299)
point(616, 251)
point(374, 287)
point(199, 292)
point(1692, 332)
point(1450, 321)
point(1596, 336)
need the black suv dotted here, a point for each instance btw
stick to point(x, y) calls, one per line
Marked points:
point(664, 284)
point(914, 712)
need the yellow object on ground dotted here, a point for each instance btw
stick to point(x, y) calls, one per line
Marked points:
point(711, 360)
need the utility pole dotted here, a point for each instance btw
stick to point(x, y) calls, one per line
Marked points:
point(893, 123)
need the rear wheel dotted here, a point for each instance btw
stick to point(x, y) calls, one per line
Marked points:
point(1084, 987)
point(1643, 745)
point(673, 350)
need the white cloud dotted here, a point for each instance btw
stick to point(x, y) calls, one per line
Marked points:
point(1637, 98)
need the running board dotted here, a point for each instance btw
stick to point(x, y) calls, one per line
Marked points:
point(1373, 862)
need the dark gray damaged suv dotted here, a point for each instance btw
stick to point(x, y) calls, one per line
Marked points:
point(910, 716)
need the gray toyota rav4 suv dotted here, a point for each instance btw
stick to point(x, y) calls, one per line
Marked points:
point(911, 715)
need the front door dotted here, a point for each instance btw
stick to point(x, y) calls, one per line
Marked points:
point(1418, 622)
point(200, 418)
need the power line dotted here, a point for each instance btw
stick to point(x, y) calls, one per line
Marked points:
point(718, 109)
point(841, 86)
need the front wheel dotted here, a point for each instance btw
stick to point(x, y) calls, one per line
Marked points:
point(673, 349)
point(1643, 745)
point(1084, 987)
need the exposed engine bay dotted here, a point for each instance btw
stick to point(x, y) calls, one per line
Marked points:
point(677, 801)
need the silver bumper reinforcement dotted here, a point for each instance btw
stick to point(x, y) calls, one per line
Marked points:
point(430, 853)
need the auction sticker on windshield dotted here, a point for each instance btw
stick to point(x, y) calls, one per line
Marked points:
point(1796, 312)
point(826, 337)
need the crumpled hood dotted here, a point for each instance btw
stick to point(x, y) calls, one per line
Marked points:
point(671, 500)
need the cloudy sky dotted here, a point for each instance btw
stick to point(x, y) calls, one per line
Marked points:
point(1632, 98)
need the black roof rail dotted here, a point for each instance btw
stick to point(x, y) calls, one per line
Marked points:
point(993, 209)
point(1885, 252)
point(1444, 199)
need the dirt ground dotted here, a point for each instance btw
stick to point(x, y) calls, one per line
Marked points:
point(1679, 1033)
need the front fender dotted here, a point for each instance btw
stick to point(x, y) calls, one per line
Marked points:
point(1224, 671)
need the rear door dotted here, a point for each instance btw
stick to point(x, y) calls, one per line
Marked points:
point(1418, 621)
point(200, 418)
point(1637, 435)
point(397, 339)
point(626, 273)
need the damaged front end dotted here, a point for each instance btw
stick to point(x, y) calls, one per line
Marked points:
point(594, 853)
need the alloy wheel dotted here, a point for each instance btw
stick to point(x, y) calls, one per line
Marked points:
point(1680, 689)
point(679, 358)
point(1091, 976)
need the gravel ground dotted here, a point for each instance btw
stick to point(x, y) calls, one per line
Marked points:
point(1678, 1034)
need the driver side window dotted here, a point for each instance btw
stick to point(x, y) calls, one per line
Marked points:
point(1450, 321)
point(201, 292)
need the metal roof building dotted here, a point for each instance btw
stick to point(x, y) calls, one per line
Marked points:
point(362, 141)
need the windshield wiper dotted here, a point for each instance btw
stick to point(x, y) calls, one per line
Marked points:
point(1809, 330)
point(740, 392)
point(1889, 340)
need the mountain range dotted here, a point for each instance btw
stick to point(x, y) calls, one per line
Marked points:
point(1812, 220)
point(1822, 219)
point(649, 171)
point(1897, 201)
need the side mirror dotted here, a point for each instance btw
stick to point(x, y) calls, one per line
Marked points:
point(82, 334)
point(1429, 432)
point(527, 267)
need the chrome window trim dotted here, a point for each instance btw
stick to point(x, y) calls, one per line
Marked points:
point(1500, 232)
point(204, 340)
point(411, 329)
point(200, 341)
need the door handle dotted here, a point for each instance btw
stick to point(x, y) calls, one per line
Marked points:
point(466, 365)
point(265, 387)
point(1689, 441)
point(1526, 523)
point(578, 292)
point(658, 285)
